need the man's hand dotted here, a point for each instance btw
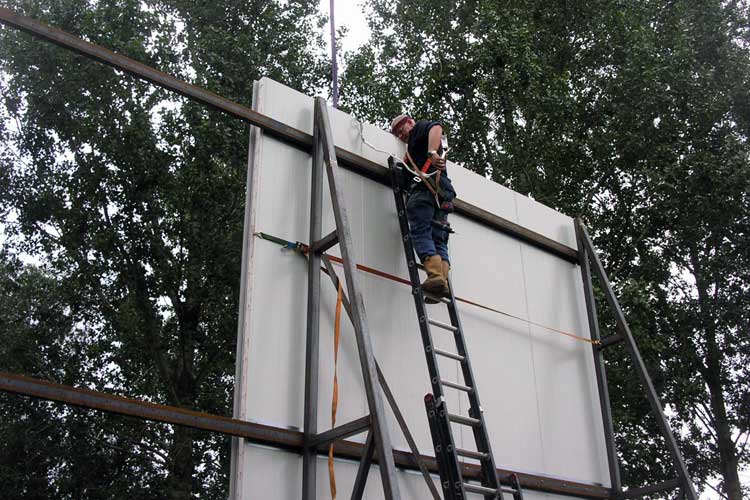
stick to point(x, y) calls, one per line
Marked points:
point(437, 161)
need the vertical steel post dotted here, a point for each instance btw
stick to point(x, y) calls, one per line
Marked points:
point(599, 368)
point(309, 457)
point(382, 437)
point(640, 368)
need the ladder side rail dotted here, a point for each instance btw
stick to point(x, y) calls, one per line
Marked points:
point(640, 366)
point(481, 435)
point(448, 478)
point(411, 261)
point(454, 466)
point(424, 329)
point(359, 319)
point(312, 342)
point(599, 367)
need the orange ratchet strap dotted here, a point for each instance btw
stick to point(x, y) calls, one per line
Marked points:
point(335, 397)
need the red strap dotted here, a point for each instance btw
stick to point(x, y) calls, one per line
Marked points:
point(427, 165)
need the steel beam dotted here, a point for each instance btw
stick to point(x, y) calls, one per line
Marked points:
point(276, 437)
point(364, 468)
point(610, 341)
point(407, 434)
point(346, 430)
point(605, 404)
point(356, 302)
point(158, 78)
point(261, 434)
point(275, 128)
point(324, 244)
point(650, 490)
point(312, 342)
point(640, 366)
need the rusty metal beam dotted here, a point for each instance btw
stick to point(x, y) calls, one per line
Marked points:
point(277, 437)
point(275, 128)
point(85, 398)
point(631, 493)
point(139, 70)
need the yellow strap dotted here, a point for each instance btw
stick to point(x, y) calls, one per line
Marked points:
point(335, 397)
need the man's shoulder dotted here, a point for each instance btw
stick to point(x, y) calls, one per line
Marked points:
point(426, 123)
point(423, 126)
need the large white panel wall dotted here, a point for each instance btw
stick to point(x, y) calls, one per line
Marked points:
point(537, 387)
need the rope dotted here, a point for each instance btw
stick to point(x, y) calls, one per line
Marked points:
point(364, 141)
point(335, 396)
point(303, 249)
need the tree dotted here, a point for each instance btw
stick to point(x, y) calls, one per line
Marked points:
point(133, 199)
point(633, 116)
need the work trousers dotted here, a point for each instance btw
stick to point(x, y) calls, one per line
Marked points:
point(428, 239)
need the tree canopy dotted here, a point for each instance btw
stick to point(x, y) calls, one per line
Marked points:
point(633, 116)
point(132, 199)
point(122, 205)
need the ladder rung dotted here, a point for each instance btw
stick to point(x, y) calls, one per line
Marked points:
point(442, 325)
point(475, 488)
point(477, 455)
point(448, 354)
point(460, 419)
point(444, 300)
point(454, 385)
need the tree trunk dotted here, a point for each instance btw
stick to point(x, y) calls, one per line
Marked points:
point(713, 376)
point(182, 463)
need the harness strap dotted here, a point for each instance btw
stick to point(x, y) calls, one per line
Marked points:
point(435, 190)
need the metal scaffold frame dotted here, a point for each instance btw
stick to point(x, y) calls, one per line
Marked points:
point(378, 439)
point(311, 443)
point(588, 256)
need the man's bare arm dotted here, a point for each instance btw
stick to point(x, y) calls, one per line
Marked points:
point(434, 141)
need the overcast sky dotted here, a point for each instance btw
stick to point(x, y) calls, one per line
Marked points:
point(349, 13)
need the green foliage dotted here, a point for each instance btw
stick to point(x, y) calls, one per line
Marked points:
point(634, 116)
point(133, 200)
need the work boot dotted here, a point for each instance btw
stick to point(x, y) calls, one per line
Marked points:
point(435, 282)
point(446, 269)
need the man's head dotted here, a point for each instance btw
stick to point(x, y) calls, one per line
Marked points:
point(401, 126)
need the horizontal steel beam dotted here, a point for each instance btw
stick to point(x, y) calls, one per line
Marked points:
point(139, 70)
point(85, 398)
point(260, 434)
point(326, 243)
point(650, 490)
point(275, 128)
point(343, 431)
point(610, 340)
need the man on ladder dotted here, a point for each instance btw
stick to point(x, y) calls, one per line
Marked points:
point(430, 199)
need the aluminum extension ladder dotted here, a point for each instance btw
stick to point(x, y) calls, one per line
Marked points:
point(455, 487)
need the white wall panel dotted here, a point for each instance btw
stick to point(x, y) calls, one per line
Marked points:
point(537, 388)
